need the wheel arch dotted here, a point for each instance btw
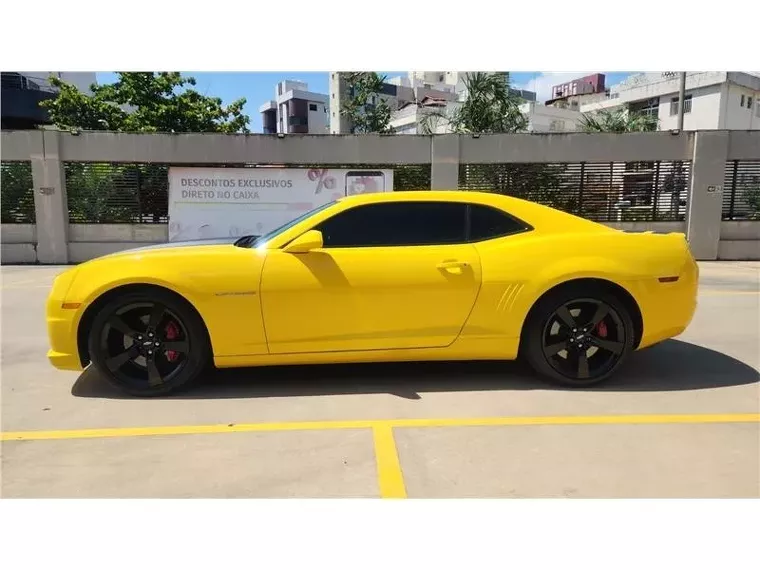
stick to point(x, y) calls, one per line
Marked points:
point(85, 322)
point(620, 292)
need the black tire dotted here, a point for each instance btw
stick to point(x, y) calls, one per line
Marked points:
point(555, 348)
point(149, 343)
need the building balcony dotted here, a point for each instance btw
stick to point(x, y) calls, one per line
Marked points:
point(20, 100)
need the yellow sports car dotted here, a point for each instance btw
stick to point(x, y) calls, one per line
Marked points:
point(401, 276)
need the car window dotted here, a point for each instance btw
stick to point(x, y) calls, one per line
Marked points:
point(396, 224)
point(489, 223)
point(261, 240)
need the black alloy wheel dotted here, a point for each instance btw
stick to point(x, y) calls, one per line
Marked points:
point(579, 340)
point(148, 344)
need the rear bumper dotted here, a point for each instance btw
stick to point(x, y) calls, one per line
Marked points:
point(667, 309)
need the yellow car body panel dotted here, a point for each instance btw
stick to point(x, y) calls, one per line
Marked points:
point(265, 305)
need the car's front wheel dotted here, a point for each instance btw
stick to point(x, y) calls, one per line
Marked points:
point(148, 343)
point(578, 337)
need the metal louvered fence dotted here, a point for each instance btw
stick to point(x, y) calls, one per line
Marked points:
point(600, 191)
point(741, 190)
point(605, 192)
point(636, 181)
point(17, 204)
point(112, 193)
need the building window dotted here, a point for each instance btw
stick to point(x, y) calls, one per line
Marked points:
point(312, 106)
point(648, 107)
point(298, 121)
point(749, 102)
point(686, 105)
point(757, 109)
point(742, 101)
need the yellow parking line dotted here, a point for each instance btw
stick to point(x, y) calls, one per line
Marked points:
point(181, 430)
point(372, 424)
point(389, 475)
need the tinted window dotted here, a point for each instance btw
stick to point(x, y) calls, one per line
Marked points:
point(488, 223)
point(397, 224)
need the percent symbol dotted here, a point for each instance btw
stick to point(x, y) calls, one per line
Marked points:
point(319, 175)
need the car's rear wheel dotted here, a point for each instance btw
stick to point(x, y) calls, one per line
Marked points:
point(578, 338)
point(148, 343)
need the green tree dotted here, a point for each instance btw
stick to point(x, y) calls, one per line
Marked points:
point(489, 106)
point(618, 121)
point(365, 109)
point(157, 102)
point(752, 198)
point(17, 192)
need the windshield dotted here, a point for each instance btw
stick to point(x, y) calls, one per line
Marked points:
point(260, 240)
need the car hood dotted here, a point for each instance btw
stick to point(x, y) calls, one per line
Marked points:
point(188, 243)
point(159, 247)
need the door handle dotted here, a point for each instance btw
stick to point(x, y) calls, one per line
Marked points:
point(455, 267)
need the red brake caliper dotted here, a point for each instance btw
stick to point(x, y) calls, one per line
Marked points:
point(172, 332)
point(601, 329)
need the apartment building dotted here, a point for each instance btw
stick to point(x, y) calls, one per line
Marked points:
point(713, 99)
point(550, 119)
point(295, 109)
point(23, 91)
point(410, 98)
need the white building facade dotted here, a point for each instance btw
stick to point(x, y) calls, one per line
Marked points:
point(295, 109)
point(547, 119)
point(713, 100)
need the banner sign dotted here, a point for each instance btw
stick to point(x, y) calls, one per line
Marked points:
point(231, 202)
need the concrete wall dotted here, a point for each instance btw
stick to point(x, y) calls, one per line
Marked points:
point(739, 241)
point(54, 240)
point(18, 243)
point(87, 241)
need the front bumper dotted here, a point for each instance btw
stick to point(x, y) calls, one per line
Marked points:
point(62, 325)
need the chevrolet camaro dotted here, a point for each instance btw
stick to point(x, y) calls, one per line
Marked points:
point(400, 276)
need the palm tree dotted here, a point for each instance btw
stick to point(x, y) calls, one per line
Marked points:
point(618, 121)
point(488, 107)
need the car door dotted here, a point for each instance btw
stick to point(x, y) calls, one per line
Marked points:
point(390, 275)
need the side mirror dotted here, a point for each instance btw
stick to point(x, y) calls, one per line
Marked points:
point(305, 242)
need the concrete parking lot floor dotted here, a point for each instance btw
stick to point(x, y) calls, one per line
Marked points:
point(680, 421)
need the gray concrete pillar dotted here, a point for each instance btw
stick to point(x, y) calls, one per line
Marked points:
point(50, 202)
point(705, 204)
point(444, 158)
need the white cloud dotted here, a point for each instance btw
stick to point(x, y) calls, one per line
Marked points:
point(542, 84)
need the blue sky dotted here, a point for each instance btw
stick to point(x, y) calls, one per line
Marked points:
point(258, 88)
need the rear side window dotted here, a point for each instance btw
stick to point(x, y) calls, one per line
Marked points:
point(489, 223)
point(397, 224)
